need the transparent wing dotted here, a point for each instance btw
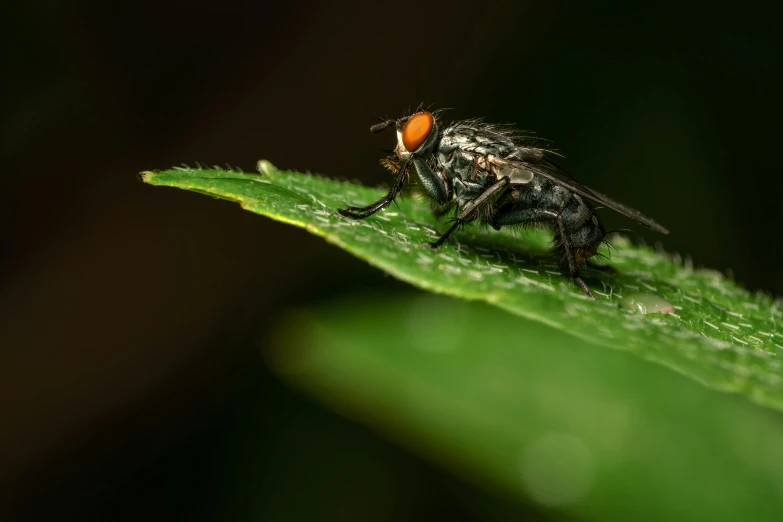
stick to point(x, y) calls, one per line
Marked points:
point(559, 176)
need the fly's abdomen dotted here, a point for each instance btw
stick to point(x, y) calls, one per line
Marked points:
point(583, 228)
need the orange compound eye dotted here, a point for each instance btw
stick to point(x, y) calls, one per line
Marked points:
point(416, 130)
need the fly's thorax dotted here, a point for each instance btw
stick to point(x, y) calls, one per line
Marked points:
point(465, 191)
point(454, 161)
point(478, 139)
point(468, 165)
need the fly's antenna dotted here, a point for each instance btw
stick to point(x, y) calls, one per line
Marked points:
point(382, 126)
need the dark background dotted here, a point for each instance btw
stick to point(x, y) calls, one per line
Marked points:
point(131, 317)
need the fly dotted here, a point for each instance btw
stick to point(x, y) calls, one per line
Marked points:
point(491, 175)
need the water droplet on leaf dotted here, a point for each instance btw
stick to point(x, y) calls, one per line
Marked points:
point(646, 303)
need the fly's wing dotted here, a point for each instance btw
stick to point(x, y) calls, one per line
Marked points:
point(558, 176)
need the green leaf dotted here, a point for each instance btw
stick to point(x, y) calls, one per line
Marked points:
point(533, 413)
point(720, 335)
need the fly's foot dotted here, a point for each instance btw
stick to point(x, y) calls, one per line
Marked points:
point(354, 212)
point(578, 280)
point(344, 212)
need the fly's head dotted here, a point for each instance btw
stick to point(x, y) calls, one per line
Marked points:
point(417, 135)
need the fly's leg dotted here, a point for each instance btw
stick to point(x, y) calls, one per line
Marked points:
point(572, 268)
point(530, 215)
point(369, 210)
point(471, 208)
point(436, 186)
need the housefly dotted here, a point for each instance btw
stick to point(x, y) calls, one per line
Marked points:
point(490, 174)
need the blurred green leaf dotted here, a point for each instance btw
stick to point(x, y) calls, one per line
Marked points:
point(720, 334)
point(535, 413)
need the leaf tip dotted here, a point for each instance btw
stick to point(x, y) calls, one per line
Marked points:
point(145, 176)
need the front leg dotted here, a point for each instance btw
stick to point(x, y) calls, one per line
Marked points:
point(369, 210)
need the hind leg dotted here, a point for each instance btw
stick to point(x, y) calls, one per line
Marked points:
point(573, 269)
point(533, 215)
